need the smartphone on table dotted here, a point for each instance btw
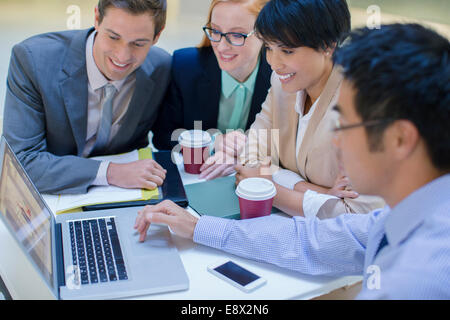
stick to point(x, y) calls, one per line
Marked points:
point(236, 275)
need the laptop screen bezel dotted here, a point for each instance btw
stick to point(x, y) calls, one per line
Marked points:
point(55, 288)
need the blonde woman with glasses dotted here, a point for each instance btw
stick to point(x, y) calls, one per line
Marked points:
point(222, 83)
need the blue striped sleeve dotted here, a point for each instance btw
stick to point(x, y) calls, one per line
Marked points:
point(331, 247)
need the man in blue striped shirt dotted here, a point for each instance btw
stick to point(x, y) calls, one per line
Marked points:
point(394, 136)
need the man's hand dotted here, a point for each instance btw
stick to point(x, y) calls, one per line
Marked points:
point(144, 174)
point(180, 221)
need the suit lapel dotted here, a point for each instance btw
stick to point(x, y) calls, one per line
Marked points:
point(329, 91)
point(74, 88)
point(288, 132)
point(209, 90)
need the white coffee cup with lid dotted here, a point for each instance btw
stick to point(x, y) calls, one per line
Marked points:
point(255, 197)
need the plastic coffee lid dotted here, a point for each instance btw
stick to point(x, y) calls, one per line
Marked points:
point(194, 138)
point(256, 189)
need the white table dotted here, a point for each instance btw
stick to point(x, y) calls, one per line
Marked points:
point(281, 283)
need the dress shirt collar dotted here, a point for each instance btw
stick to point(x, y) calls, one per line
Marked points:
point(300, 102)
point(415, 208)
point(96, 79)
point(229, 84)
point(300, 105)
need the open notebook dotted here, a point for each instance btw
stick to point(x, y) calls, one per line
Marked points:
point(103, 194)
point(108, 197)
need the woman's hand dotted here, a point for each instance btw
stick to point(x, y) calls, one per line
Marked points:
point(227, 148)
point(218, 165)
point(230, 143)
point(261, 171)
point(342, 188)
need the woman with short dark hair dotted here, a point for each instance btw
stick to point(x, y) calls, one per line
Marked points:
point(300, 37)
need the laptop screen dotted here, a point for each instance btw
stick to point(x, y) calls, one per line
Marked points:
point(25, 214)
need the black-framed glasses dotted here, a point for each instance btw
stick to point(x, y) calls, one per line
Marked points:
point(233, 38)
point(339, 127)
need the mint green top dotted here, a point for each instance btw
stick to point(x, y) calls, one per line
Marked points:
point(235, 101)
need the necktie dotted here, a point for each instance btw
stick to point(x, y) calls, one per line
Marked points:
point(106, 121)
point(382, 244)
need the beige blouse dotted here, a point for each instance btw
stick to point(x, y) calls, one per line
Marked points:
point(274, 134)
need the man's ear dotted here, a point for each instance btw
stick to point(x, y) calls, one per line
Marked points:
point(96, 18)
point(405, 138)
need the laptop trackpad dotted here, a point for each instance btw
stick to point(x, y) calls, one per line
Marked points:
point(158, 240)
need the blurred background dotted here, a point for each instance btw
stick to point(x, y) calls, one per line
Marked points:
point(20, 19)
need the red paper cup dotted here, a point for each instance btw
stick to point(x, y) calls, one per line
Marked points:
point(195, 149)
point(193, 158)
point(255, 197)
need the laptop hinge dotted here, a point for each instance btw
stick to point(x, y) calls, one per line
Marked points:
point(60, 255)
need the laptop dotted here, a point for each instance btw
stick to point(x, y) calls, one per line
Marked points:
point(86, 255)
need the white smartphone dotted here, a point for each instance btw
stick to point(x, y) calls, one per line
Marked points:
point(236, 275)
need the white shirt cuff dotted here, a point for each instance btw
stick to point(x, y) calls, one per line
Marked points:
point(100, 179)
point(286, 178)
point(313, 201)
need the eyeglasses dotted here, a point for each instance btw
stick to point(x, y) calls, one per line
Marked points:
point(233, 38)
point(370, 123)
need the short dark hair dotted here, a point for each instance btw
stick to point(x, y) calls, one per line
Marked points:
point(401, 71)
point(317, 24)
point(158, 8)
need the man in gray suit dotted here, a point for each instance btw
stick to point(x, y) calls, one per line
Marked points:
point(75, 94)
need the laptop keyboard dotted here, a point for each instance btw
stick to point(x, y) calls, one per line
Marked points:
point(96, 251)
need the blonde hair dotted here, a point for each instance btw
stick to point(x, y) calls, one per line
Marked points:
point(254, 6)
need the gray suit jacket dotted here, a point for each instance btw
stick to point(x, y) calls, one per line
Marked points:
point(45, 117)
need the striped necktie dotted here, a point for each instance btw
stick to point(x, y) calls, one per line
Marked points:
point(106, 121)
